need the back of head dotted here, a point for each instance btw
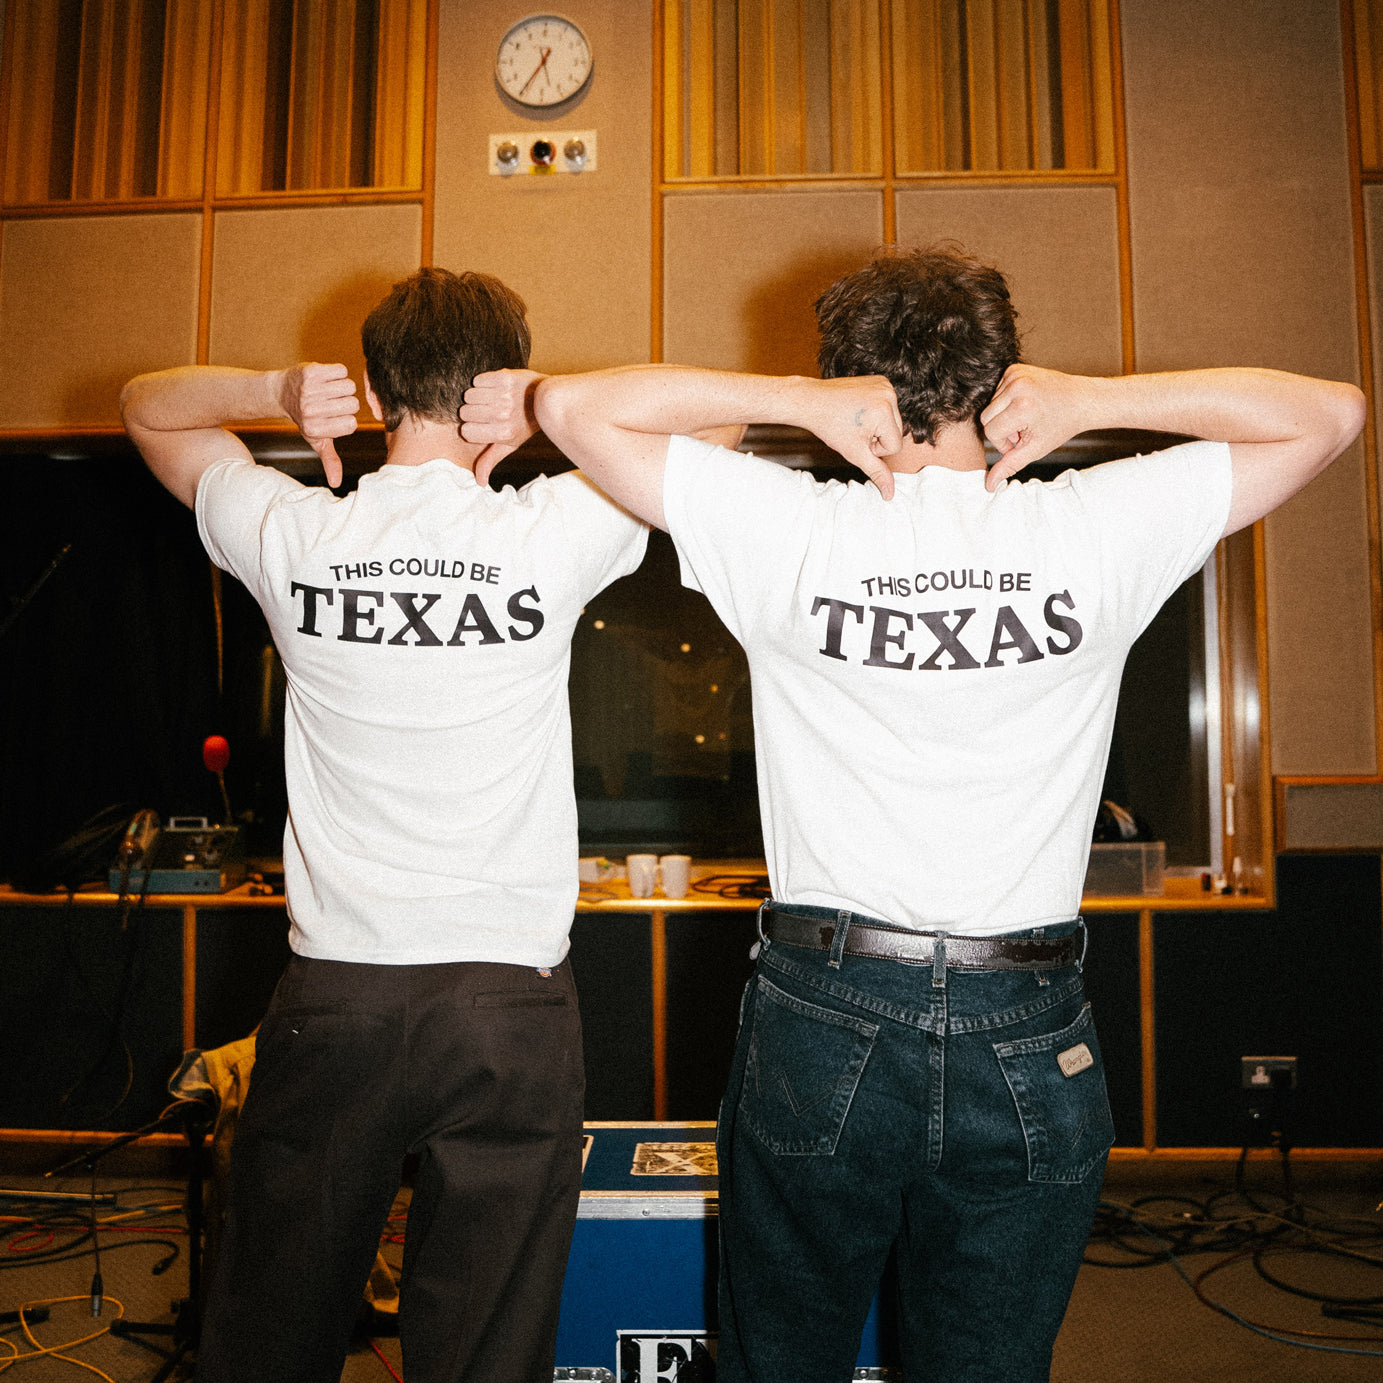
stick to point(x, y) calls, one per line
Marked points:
point(433, 334)
point(938, 323)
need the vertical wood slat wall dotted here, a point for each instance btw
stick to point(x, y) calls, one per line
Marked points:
point(772, 88)
point(1363, 54)
point(343, 85)
point(793, 88)
point(1368, 68)
point(108, 100)
point(986, 86)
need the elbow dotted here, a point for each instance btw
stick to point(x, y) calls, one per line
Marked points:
point(556, 404)
point(134, 402)
point(1353, 413)
point(129, 397)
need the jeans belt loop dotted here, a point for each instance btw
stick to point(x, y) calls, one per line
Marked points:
point(842, 930)
point(939, 961)
point(759, 927)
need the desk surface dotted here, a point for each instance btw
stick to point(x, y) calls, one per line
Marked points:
point(612, 895)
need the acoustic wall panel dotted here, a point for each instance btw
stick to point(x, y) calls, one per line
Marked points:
point(1333, 816)
point(576, 246)
point(1239, 189)
point(84, 304)
point(741, 270)
point(1059, 249)
point(296, 284)
point(1373, 230)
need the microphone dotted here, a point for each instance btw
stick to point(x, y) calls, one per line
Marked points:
point(216, 755)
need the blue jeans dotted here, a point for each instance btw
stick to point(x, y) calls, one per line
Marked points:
point(882, 1106)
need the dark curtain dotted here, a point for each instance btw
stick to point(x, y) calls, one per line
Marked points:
point(108, 668)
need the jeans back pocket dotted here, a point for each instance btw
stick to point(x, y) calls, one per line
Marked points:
point(803, 1066)
point(1057, 1082)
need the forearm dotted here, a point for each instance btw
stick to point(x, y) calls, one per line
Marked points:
point(175, 418)
point(1221, 405)
point(619, 418)
point(668, 399)
point(195, 397)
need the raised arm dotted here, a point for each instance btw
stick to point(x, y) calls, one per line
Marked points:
point(176, 417)
point(1283, 430)
point(615, 424)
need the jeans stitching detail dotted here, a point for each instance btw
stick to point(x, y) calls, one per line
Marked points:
point(909, 1017)
point(987, 1022)
point(932, 1019)
point(840, 1095)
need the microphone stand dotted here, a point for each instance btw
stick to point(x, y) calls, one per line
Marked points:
point(185, 1327)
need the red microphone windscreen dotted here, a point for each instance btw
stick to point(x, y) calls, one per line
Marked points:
point(215, 753)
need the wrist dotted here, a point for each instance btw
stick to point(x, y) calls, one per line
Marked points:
point(275, 393)
point(795, 400)
point(1106, 401)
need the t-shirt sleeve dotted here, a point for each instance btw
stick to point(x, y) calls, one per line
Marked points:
point(1158, 518)
point(233, 498)
point(606, 541)
point(736, 521)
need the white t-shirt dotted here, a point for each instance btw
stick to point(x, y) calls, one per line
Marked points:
point(935, 677)
point(425, 625)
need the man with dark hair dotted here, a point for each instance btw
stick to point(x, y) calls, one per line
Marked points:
point(934, 684)
point(424, 622)
point(937, 323)
point(432, 335)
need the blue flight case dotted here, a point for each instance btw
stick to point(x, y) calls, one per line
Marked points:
point(639, 1303)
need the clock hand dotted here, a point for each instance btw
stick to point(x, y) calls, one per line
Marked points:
point(536, 70)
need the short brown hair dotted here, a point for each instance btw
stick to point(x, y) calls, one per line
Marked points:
point(433, 334)
point(936, 322)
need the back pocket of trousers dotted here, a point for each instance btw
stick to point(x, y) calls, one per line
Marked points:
point(803, 1066)
point(1057, 1081)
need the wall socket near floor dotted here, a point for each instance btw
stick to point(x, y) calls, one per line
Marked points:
point(1268, 1072)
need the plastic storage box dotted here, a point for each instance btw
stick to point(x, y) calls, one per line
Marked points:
point(1128, 869)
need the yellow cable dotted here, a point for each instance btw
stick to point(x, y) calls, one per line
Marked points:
point(41, 1351)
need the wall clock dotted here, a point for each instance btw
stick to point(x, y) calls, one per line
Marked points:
point(543, 60)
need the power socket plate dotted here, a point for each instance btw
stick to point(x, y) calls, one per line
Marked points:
point(1265, 1072)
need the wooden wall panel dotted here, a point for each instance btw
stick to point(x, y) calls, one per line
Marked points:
point(1058, 247)
point(85, 304)
point(578, 247)
point(296, 284)
point(741, 271)
point(1373, 230)
point(1242, 254)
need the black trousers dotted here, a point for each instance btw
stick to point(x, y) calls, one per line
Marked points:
point(475, 1067)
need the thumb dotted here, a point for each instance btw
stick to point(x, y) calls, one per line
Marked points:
point(877, 472)
point(1009, 465)
point(488, 459)
point(331, 463)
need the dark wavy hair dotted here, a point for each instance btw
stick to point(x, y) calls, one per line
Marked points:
point(937, 322)
point(433, 334)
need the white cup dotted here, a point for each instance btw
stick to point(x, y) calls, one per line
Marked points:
point(642, 871)
point(676, 871)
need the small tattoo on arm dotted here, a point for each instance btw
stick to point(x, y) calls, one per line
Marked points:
point(859, 416)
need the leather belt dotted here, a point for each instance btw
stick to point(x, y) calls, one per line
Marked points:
point(815, 928)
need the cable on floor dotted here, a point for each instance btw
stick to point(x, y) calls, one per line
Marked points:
point(1238, 1228)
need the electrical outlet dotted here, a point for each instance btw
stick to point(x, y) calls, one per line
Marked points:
point(1268, 1072)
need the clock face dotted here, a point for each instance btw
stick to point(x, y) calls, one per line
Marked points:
point(543, 60)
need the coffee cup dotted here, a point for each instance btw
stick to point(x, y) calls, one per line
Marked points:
point(642, 872)
point(676, 874)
